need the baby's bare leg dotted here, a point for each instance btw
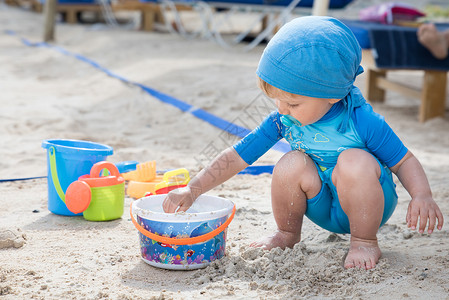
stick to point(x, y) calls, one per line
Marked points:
point(295, 179)
point(435, 41)
point(356, 177)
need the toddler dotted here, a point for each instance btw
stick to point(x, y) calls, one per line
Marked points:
point(339, 172)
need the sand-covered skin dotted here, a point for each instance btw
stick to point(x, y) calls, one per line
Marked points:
point(48, 95)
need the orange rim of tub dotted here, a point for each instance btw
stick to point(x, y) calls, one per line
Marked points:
point(183, 241)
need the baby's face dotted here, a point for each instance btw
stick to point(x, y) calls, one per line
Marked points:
point(306, 110)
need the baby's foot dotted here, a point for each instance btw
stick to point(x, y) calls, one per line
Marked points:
point(279, 238)
point(362, 254)
point(433, 40)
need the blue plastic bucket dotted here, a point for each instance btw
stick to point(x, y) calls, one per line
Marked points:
point(207, 220)
point(67, 160)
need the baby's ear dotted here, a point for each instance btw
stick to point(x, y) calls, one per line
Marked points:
point(333, 101)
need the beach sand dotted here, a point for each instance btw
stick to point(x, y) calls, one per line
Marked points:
point(46, 94)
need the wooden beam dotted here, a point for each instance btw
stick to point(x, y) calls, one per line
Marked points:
point(373, 92)
point(403, 89)
point(433, 97)
point(148, 19)
point(320, 7)
point(49, 17)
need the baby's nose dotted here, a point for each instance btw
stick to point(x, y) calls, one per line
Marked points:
point(282, 108)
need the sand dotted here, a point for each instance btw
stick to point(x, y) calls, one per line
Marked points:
point(48, 95)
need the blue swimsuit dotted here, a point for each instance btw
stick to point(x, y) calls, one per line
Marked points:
point(322, 141)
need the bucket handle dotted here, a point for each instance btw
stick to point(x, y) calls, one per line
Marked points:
point(184, 241)
point(54, 173)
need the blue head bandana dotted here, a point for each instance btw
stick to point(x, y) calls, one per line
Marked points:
point(315, 57)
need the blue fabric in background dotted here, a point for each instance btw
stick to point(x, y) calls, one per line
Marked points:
point(304, 3)
point(396, 47)
point(361, 31)
point(73, 1)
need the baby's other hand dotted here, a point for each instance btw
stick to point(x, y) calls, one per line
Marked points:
point(427, 211)
point(181, 198)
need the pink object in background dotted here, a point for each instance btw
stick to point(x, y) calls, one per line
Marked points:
point(387, 13)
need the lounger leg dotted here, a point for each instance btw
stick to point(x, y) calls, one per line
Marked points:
point(264, 23)
point(71, 17)
point(433, 97)
point(36, 6)
point(148, 20)
point(159, 16)
point(373, 92)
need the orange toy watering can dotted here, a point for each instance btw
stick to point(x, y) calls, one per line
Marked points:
point(99, 198)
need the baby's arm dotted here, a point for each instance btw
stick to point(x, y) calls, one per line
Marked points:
point(422, 206)
point(224, 166)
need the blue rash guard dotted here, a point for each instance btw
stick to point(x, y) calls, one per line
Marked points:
point(323, 143)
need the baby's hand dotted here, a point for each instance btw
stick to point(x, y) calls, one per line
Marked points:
point(427, 211)
point(181, 198)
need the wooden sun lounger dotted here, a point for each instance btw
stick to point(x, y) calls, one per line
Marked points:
point(150, 11)
point(432, 93)
point(397, 48)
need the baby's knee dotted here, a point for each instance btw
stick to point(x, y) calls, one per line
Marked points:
point(293, 163)
point(297, 170)
point(356, 163)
